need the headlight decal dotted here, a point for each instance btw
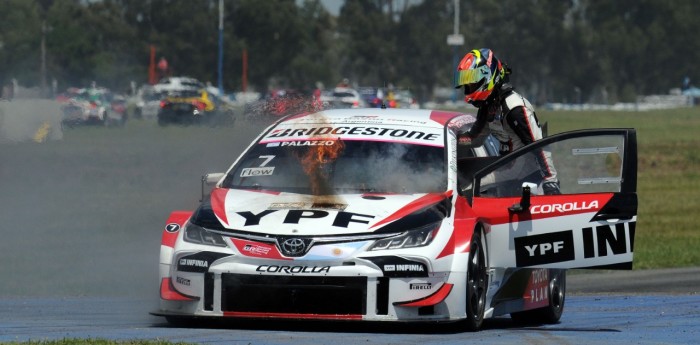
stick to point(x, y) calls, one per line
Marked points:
point(198, 235)
point(410, 238)
point(436, 204)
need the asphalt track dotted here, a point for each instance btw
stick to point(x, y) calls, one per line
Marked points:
point(80, 226)
point(588, 319)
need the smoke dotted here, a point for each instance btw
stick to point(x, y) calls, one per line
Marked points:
point(83, 216)
point(398, 168)
point(23, 120)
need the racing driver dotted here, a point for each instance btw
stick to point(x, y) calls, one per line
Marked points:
point(510, 117)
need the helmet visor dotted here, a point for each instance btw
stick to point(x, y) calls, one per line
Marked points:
point(473, 87)
point(468, 76)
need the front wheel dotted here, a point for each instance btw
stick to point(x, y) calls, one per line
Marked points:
point(477, 281)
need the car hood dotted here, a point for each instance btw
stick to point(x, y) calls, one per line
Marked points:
point(278, 213)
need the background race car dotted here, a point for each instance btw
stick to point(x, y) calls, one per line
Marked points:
point(188, 107)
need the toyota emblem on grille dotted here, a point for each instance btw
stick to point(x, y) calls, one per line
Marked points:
point(294, 246)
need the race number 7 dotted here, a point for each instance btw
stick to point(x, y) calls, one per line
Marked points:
point(267, 159)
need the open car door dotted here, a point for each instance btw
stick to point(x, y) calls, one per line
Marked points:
point(591, 224)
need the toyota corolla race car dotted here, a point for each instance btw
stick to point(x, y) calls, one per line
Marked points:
point(383, 215)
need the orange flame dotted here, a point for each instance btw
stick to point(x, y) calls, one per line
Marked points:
point(315, 158)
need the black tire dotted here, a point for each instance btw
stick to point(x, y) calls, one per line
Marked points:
point(551, 313)
point(477, 282)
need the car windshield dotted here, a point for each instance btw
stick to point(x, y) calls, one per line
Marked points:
point(321, 167)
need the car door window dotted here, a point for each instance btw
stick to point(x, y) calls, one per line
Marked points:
point(589, 164)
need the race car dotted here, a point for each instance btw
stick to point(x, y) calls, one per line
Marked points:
point(187, 107)
point(384, 215)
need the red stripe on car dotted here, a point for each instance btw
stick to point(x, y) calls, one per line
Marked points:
point(176, 221)
point(463, 229)
point(442, 117)
point(168, 292)
point(218, 201)
point(541, 207)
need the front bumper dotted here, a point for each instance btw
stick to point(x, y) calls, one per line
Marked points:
point(343, 291)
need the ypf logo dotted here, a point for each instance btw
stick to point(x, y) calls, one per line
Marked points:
point(544, 249)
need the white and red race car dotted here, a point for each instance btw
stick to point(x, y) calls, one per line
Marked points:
point(383, 215)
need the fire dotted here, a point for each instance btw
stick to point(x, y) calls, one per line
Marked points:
point(314, 161)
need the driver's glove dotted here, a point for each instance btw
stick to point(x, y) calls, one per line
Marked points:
point(551, 188)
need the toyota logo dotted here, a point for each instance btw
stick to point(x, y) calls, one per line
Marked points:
point(294, 246)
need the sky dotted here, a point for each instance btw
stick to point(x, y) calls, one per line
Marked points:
point(333, 6)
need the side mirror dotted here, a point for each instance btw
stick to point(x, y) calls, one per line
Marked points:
point(208, 182)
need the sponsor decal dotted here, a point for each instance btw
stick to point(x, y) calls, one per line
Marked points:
point(182, 281)
point(398, 267)
point(537, 291)
point(293, 269)
point(194, 263)
point(252, 172)
point(198, 262)
point(606, 238)
point(172, 227)
point(342, 218)
point(394, 133)
point(565, 207)
point(420, 286)
point(308, 143)
point(256, 249)
point(544, 249)
point(262, 169)
point(405, 268)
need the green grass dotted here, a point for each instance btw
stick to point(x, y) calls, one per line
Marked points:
point(668, 179)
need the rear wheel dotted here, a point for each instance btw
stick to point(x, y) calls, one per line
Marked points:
point(476, 282)
point(551, 313)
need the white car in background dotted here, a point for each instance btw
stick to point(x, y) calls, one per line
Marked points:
point(147, 102)
point(178, 83)
point(343, 97)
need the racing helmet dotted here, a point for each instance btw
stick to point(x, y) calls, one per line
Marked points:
point(479, 72)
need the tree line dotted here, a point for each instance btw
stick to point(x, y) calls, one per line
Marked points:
point(559, 50)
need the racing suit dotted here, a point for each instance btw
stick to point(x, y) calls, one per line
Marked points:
point(513, 122)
